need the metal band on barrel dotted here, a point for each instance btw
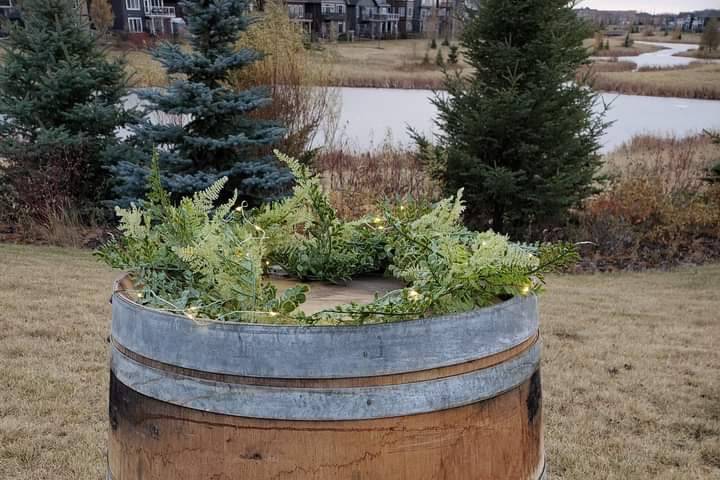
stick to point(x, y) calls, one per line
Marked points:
point(316, 352)
point(318, 404)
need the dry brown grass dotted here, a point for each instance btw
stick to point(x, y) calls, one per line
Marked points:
point(382, 64)
point(630, 371)
point(701, 81)
point(618, 50)
point(598, 66)
point(701, 54)
point(659, 37)
point(143, 69)
point(53, 364)
point(631, 384)
point(679, 161)
point(358, 180)
point(386, 64)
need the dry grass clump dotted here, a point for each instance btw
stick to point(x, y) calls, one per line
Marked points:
point(700, 81)
point(143, 69)
point(358, 180)
point(64, 226)
point(679, 161)
point(628, 371)
point(587, 73)
point(657, 210)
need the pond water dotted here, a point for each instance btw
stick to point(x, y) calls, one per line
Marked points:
point(369, 114)
point(665, 57)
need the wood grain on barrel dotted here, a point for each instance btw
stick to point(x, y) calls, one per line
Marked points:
point(497, 439)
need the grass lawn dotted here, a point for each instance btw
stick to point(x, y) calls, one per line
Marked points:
point(631, 364)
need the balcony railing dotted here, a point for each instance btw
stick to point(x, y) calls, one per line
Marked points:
point(380, 17)
point(329, 15)
point(301, 17)
point(160, 12)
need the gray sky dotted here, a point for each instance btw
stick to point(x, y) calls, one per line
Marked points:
point(656, 6)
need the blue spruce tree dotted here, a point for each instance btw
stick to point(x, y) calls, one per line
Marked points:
point(215, 134)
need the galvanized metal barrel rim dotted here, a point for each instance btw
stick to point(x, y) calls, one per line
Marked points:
point(317, 352)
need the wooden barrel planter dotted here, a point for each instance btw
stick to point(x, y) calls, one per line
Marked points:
point(448, 398)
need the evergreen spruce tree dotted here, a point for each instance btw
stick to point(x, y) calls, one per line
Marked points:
point(439, 59)
point(518, 134)
point(710, 39)
point(59, 104)
point(453, 55)
point(215, 134)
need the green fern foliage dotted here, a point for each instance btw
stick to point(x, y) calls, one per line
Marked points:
point(197, 259)
point(310, 242)
point(209, 261)
point(450, 269)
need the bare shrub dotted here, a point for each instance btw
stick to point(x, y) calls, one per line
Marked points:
point(62, 225)
point(656, 210)
point(358, 180)
point(102, 17)
point(42, 179)
point(302, 101)
point(710, 39)
point(39, 195)
point(598, 41)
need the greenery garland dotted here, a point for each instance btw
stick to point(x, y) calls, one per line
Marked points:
point(208, 261)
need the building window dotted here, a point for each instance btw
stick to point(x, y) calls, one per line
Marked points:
point(132, 5)
point(296, 11)
point(341, 27)
point(329, 8)
point(135, 25)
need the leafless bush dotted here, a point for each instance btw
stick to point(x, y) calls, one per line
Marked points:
point(302, 101)
point(657, 210)
point(358, 180)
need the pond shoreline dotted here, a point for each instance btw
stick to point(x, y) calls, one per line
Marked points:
point(666, 57)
